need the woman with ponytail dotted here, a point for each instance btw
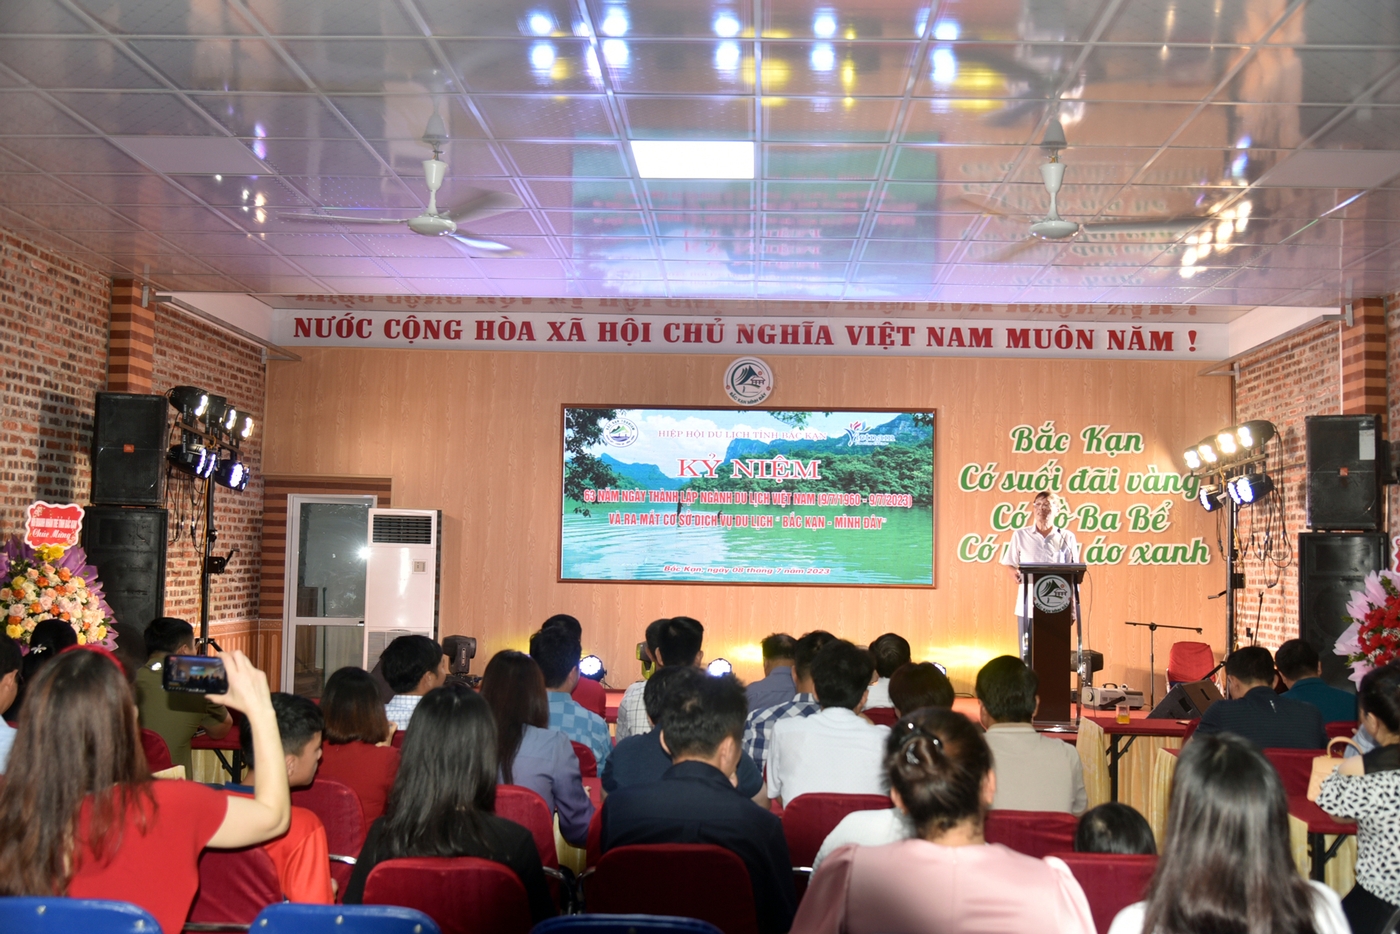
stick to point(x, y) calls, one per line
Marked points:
point(947, 879)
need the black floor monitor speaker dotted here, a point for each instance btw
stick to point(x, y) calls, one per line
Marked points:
point(128, 449)
point(127, 546)
point(1330, 567)
point(1346, 461)
point(1186, 701)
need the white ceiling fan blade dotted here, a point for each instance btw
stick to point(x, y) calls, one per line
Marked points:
point(986, 207)
point(1015, 250)
point(487, 205)
point(1147, 225)
point(485, 246)
point(335, 219)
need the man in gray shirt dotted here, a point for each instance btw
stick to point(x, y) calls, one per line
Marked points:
point(1034, 772)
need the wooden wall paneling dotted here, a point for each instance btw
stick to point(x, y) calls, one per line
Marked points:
point(478, 436)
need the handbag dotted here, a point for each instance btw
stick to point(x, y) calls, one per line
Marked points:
point(1325, 764)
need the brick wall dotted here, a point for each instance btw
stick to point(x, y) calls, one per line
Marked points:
point(53, 341)
point(1283, 383)
point(190, 352)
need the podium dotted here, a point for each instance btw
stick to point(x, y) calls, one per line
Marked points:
point(1055, 631)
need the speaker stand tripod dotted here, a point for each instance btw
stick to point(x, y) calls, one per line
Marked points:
point(1152, 653)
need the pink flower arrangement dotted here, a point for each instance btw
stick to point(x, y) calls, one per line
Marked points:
point(52, 583)
point(1373, 638)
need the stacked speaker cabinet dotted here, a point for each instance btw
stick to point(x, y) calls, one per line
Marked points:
point(127, 546)
point(1346, 466)
point(1330, 566)
point(128, 449)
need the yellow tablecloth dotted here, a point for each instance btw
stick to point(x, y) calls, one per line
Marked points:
point(1134, 769)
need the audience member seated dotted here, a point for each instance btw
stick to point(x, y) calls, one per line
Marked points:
point(1255, 712)
point(49, 638)
point(80, 815)
point(1367, 790)
point(1226, 864)
point(529, 752)
point(777, 686)
point(176, 716)
point(676, 641)
point(947, 880)
point(913, 687)
point(557, 652)
point(590, 694)
point(758, 730)
point(834, 750)
point(1301, 669)
point(639, 759)
point(413, 666)
point(1034, 772)
point(696, 801)
point(356, 750)
point(301, 855)
point(10, 661)
point(891, 652)
point(1114, 828)
point(443, 799)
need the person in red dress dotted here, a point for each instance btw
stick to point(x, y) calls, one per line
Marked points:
point(356, 751)
point(80, 814)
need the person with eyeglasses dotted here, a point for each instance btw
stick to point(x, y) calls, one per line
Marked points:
point(947, 879)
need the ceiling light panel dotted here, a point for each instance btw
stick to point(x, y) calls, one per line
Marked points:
point(698, 159)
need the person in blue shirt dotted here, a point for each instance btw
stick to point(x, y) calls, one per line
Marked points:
point(1301, 669)
point(777, 686)
point(557, 651)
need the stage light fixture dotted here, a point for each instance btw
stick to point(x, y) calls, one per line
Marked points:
point(1209, 497)
point(230, 418)
point(214, 413)
point(591, 667)
point(1207, 452)
point(1192, 458)
point(942, 669)
point(644, 656)
point(1225, 442)
point(193, 459)
point(1249, 488)
point(189, 401)
point(247, 430)
point(232, 473)
point(719, 666)
point(1253, 435)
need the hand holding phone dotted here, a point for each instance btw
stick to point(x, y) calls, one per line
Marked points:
point(195, 674)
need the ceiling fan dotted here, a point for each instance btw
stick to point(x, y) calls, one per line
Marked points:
point(435, 223)
point(1053, 227)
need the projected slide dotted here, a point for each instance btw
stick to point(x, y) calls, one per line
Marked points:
point(747, 495)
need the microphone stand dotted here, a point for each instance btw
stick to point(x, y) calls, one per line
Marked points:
point(1152, 653)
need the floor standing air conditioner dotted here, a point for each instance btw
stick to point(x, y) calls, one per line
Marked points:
point(401, 582)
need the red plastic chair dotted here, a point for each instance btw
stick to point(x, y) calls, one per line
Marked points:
point(683, 879)
point(809, 818)
point(1035, 833)
point(1337, 728)
point(1294, 767)
point(882, 716)
point(587, 762)
point(339, 809)
point(594, 851)
point(397, 740)
point(234, 885)
point(463, 894)
point(1189, 661)
point(591, 695)
point(525, 807)
point(1111, 881)
point(157, 752)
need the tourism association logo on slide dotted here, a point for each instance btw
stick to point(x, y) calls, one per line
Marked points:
point(620, 432)
point(748, 381)
point(1051, 594)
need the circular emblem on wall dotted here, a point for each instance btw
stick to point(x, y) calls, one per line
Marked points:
point(1051, 594)
point(620, 432)
point(748, 381)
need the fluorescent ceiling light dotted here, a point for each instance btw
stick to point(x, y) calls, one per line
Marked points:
point(689, 158)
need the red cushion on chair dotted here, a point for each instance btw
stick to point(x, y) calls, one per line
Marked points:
point(397, 740)
point(1190, 661)
point(808, 819)
point(157, 752)
point(1111, 881)
point(525, 807)
point(338, 807)
point(595, 838)
point(682, 879)
point(463, 894)
point(1035, 833)
point(1294, 767)
point(587, 762)
point(882, 716)
point(1337, 728)
point(234, 885)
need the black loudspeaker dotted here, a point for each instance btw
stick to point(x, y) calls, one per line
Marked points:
point(128, 449)
point(1186, 701)
point(127, 546)
point(1346, 458)
point(1330, 567)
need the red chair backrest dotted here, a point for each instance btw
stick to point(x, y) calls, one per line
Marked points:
point(1035, 833)
point(809, 818)
point(882, 716)
point(157, 752)
point(234, 885)
point(1337, 728)
point(590, 695)
point(1111, 881)
point(1294, 767)
point(338, 807)
point(525, 807)
point(1190, 661)
point(595, 839)
point(397, 740)
point(587, 762)
point(682, 879)
point(463, 894)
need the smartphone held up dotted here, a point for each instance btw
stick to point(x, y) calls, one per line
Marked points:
point(195, 674)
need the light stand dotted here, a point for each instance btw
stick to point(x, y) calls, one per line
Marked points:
point(1152, 653)
point(1232, 518)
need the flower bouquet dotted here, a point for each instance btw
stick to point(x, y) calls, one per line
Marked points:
point(52, 582)
point(1373, 638)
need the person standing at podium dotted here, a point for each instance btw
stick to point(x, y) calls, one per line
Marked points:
point(1039, 543)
